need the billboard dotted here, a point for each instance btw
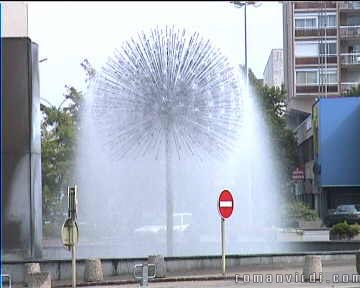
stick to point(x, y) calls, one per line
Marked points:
point(337, 141)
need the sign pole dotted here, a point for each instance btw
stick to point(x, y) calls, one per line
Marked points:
point(70, 231)
point(225, 208)
point(223, 245)
point(73, 256)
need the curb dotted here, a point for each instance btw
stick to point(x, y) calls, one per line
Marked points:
point(156, 280)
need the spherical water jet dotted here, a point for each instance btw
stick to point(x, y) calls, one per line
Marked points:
point(168, 89)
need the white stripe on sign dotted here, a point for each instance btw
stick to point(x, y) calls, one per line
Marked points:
point(226, 204)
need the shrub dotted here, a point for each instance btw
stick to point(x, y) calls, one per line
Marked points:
point(299, 210)
point(344, 230)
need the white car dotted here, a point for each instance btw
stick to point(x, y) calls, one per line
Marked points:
point(181, 224)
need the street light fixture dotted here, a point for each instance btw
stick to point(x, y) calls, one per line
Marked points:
point(240, 4)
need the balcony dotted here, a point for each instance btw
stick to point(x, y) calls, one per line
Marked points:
point(316, 89)
point(314, 5)
point(347, 86)
point(304, 130)
point(349, 5)
point(315, 32)
point(331, 59)
point(350, 32)
point(350, 59)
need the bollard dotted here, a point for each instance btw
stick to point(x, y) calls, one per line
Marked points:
point(358, 263)
point(93, 270)
point(31, 268)
point(159, 262)
point(312, 268)
point(40, 280)
point(3, 277)
point(144, 276)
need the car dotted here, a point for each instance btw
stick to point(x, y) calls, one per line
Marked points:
point(181, 224)
point(348, 212)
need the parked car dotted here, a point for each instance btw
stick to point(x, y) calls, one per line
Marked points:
point(349, 213)
point(181, 224)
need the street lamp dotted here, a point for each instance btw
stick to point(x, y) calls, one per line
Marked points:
point(239, 4)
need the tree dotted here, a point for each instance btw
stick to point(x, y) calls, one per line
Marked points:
point(272, 102)
point(58, 139)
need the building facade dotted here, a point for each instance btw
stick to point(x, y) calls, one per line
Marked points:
point(321, 60)
point(21, 190)
point(336, 139)
point(274, 70)
point(321, 51)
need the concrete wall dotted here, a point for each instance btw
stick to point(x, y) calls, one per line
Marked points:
point(274, 70)
point(21, 150)
point(61, 269)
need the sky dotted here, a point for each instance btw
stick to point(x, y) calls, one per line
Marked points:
point(69, 32)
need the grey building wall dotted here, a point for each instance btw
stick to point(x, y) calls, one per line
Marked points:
point(274, 70)
point(21, 150)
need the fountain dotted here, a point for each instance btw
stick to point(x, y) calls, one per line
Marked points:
point(167, 125)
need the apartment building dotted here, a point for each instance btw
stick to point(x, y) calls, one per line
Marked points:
point(321, 60)
point(274, 70)
point(321, 51)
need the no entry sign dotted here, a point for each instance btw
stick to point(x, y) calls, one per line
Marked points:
point(225, 204)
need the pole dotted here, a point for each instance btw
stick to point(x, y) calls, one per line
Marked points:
point(169, 196)
point(245, 28)
point(250, 170)
point(73, 256)
point(223, 245)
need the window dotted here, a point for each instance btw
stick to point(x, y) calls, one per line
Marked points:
point(312, 49)
point(329, 77)
point(306, 22)
point(314, 20)
point(299, 23)
point(353, 20)
point(314, 77)
point(306, 49)
point(306, 77)
point(327, 21)
point(330, 48)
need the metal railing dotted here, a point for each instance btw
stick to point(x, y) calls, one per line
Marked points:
point(349, 5)
point(304, 130)
point(350, 58)
point(350, 31)
point(346, 86)
point(142, 273)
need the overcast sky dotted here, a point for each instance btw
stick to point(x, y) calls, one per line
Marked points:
point(68, 32)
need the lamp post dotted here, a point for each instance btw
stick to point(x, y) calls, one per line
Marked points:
point(239, 4)
point(250, 170)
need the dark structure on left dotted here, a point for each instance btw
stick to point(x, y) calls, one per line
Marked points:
point(21, 150)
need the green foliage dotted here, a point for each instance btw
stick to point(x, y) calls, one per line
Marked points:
point(273, 103)
point(354, 91)
point(298, 210)
point(58, 139)
point(344, 230)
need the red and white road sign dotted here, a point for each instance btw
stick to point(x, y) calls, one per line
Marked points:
point(298, 174)
point(225, 204)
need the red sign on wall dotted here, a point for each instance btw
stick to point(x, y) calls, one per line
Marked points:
point(298, 175)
